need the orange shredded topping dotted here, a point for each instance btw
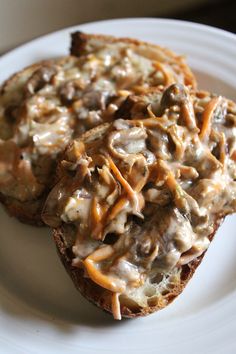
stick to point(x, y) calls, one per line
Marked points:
point(171, 182)
point(167, 77)
point(115, 305)
point(96, 211)
point(207, 116)
point(127, 187)
point(122, 201)
point(107, 282)
point(189, 116)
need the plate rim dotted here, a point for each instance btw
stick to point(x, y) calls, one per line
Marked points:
point(164, 20)
point(126, 20)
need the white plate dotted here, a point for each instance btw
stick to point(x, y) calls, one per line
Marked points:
point(41, 312)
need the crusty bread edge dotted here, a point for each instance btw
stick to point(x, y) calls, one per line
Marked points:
point(79, 40)
point(14, 207)
point(5, 84)
point(101, 297)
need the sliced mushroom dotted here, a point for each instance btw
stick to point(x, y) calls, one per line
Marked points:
point(70, 91)
point(40, 78)
point(176, 94)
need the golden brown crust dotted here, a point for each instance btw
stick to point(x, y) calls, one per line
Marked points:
point(102, 297)
point(80, 39)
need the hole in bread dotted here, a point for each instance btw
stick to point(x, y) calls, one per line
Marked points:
point(129, 303)
point(110, 238)
point(171, 286)
point(153, 301)
point(165, 292)
point(157, 279)
point(150, 291)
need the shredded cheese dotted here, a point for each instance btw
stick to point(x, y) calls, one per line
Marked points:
point(117, 208)
point(116, 306)
point(105, 281)
point(189, 115)
point(131, 193)
point(167, 75)
point(207, 116)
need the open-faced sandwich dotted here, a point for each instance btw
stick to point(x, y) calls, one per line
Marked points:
point(138, 200)
point(47, 104)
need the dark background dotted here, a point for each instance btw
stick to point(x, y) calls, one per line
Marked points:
point(219, 13)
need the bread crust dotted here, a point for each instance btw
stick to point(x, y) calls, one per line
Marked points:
point(27, 212)
point(79, 41)
point(102, 297)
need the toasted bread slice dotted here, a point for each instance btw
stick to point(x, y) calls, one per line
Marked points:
point(45, 105)
point(169, 67)
point(138, 201)
point(27, 160)
point(11, 94)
